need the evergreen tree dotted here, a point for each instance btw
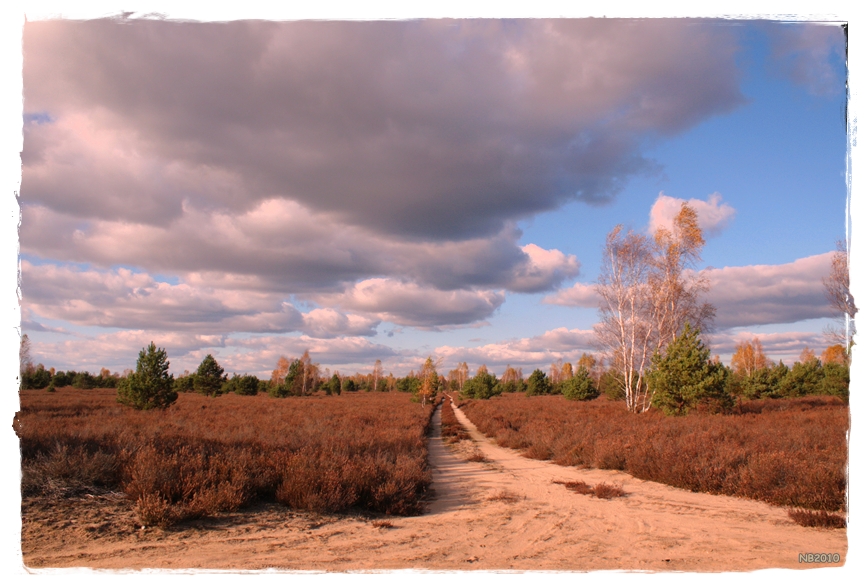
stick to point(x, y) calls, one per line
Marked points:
point(209, 377)
point(684, 377)
point(538, 384)
point(483, 386)
point(580, 386)
point(764, 382)
point(151, 385)
point(293, 380)
point(803, 378)
point(334, 386)
point(836, 381)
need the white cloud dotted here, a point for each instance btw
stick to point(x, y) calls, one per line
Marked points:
point(785, 346)
point(406, 303)
point(713, 215)
point(766, 294)
point(530, 352)
point(578, 295)
point(122, 298)
point(543, 270)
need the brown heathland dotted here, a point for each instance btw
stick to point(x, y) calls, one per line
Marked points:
point(784, 452)
point(205, 455)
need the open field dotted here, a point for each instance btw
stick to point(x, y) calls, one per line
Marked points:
point(203, 455)
point(500, 510)
point(785, 452)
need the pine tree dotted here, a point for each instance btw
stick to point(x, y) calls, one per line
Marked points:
point(538, 384)
point(209, 377)
point(684, 377)
point(151, 385)
point(334, 386)
point(580, 386)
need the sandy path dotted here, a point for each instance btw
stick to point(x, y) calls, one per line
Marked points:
point(504, 513)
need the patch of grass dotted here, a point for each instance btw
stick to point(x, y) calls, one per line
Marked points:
point(817, 519)
point(382, 524)
point(606, 491)
point(477, 457)
point(603, 491)
point(504, 496)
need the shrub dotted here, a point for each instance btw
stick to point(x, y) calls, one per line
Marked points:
point(185, 383)
point(83, 381)
point(787, 452)
point(245, 385)
point(151, 385)
point(612, 386)
point(365, 451)
point(482, 386)
point(580, 386)
point(209, 377)
point(684, 377)
point(817, 519)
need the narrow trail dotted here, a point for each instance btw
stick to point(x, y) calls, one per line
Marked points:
point(503, 513)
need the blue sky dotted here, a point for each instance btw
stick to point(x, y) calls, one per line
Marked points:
point(265, 197)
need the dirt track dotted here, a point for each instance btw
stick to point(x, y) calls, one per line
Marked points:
point(504, 513)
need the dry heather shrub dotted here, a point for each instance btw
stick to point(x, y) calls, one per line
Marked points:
point(603, 491)
point(206, 455)
point(817, 519)
point(607, 491)
point(69, 471)
point(789, 452)
point(578, 487)
point(382, 524)
point(169, 487)
point(504, 496)
point(451, 429)
point(477, 457)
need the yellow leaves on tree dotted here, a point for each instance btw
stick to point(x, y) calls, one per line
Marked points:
point(749, 357)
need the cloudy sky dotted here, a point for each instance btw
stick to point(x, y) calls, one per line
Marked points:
point(401, 189)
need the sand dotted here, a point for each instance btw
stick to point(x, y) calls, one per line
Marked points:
point(504, 513)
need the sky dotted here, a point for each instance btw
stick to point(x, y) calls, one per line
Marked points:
point(394, 190)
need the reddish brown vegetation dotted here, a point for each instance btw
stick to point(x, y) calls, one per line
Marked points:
point(817, 519)
point(785, 452)
point(604, 491)
point(205, 455)
point(450, 429)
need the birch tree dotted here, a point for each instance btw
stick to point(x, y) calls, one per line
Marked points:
point(749, 357)
point(625, 328)
point(377, 373)
point(649, 289)
point(837, 286)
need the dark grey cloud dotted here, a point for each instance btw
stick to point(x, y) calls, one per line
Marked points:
point(424, 130)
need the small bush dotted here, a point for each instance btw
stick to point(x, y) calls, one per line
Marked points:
point(604, 491)
point(817, 519)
